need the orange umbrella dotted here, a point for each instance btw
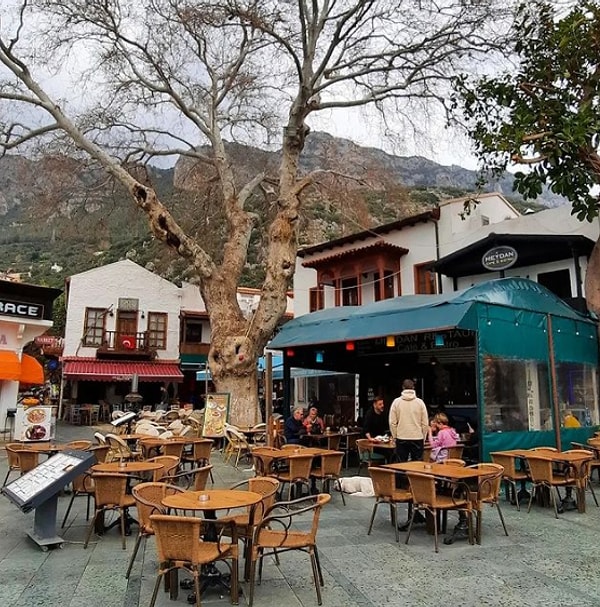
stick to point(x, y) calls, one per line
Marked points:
point(10, 367)
point(32, 371)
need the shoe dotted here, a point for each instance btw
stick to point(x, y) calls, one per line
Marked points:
point(419, 520)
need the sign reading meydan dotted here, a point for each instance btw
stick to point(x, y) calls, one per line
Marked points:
point(499, 258)
point(18, 308)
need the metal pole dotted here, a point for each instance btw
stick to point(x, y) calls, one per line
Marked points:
point(553, 384)
point(268, 388)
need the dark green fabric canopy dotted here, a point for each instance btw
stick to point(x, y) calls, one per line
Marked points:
point(517, 302)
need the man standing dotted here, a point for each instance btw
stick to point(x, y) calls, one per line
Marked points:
point(409, 423)
point(376, 423)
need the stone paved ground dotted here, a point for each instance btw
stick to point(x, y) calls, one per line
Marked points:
point(543, 562)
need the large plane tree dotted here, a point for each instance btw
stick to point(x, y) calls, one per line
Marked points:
point(543, 116)
point(128, 82)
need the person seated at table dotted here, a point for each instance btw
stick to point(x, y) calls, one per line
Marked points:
point(313, 423)
point(445, 437)
point(294, 428)
point(376, 423)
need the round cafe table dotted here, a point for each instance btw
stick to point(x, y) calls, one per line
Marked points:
point(218, 499)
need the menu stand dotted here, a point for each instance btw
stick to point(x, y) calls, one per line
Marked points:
point(39, 489)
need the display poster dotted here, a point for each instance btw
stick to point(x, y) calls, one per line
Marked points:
point(34, 424)
point(216, 414)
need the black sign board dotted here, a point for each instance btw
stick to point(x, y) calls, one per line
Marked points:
point(9, 307)
point(39, 489)
point(499, 258)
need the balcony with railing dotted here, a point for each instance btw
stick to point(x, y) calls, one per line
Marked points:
point(119, 344)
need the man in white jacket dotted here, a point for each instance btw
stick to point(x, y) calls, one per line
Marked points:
point(409, 423)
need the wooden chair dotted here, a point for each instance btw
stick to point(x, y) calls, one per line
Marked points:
point(384, 485)
point(329, 471)
point(277, 533)
point(426, 498)
point(192, 480)
point(180, 544)
point(110, 494)
point(200, 452)
point(298, 472)
point(488, 492)
point(511, 476)
point(148, 500)
point(366, 455)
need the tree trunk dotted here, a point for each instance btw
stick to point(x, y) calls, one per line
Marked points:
point(243, 388)
point(592, 280)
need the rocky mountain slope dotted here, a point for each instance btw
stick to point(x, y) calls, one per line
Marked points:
point(59, 216)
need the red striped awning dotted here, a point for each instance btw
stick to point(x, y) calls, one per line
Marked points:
point(112, 370)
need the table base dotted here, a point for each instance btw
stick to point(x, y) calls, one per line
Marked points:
point(210, 577)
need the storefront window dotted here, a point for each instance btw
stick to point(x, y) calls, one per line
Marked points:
point(577, 394)
point(516, 395)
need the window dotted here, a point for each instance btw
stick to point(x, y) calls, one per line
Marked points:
point(425, 279)
point(157, 330)
point(387, 285)
point(93, 331)
point(349, 291)
point(316, 296)
point(559, 282)
point(193, 331)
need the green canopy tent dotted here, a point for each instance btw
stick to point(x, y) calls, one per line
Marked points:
point(535, 357)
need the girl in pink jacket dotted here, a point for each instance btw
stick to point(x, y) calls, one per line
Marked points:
point(445, 437)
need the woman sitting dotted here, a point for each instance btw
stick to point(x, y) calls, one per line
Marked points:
point(445, 437)
point(313, 423)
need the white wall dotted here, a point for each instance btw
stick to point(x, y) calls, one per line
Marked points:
point(102, 287)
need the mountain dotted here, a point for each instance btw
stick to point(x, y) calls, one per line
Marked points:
point(60, 216)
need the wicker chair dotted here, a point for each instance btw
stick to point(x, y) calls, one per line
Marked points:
point(594, 464)
point(173, 448)
point(100, 438)
point(81, 485)
point(275, 535)
point(148, 500)
point(366, 456)
point(586, 472)
point(170, 463)
point(297, 473)
point(510, 475)
point(425, 497)
point(236, 445)
point(488, 492)
point(455, 461)
point(543, 475)
point(100, 452)
point(384, 485)
point(119, 450)
point(245, 522)
point(263, 458)
point(178, 547)
point(79, 445)
point(193, 480)
point(19, 459)
point(329, 472)
point(110, 494)
point(200, 452)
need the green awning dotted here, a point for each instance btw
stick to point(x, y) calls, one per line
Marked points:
point(419, 313)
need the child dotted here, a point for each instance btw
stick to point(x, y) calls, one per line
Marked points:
point(445, 437)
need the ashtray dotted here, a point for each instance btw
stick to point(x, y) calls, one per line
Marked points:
point(203, 497)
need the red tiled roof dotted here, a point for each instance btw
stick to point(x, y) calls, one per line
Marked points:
point(90, 369)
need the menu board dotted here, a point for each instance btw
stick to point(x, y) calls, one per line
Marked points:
point(34, 424)
point(216, 414)
point(48, 478)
